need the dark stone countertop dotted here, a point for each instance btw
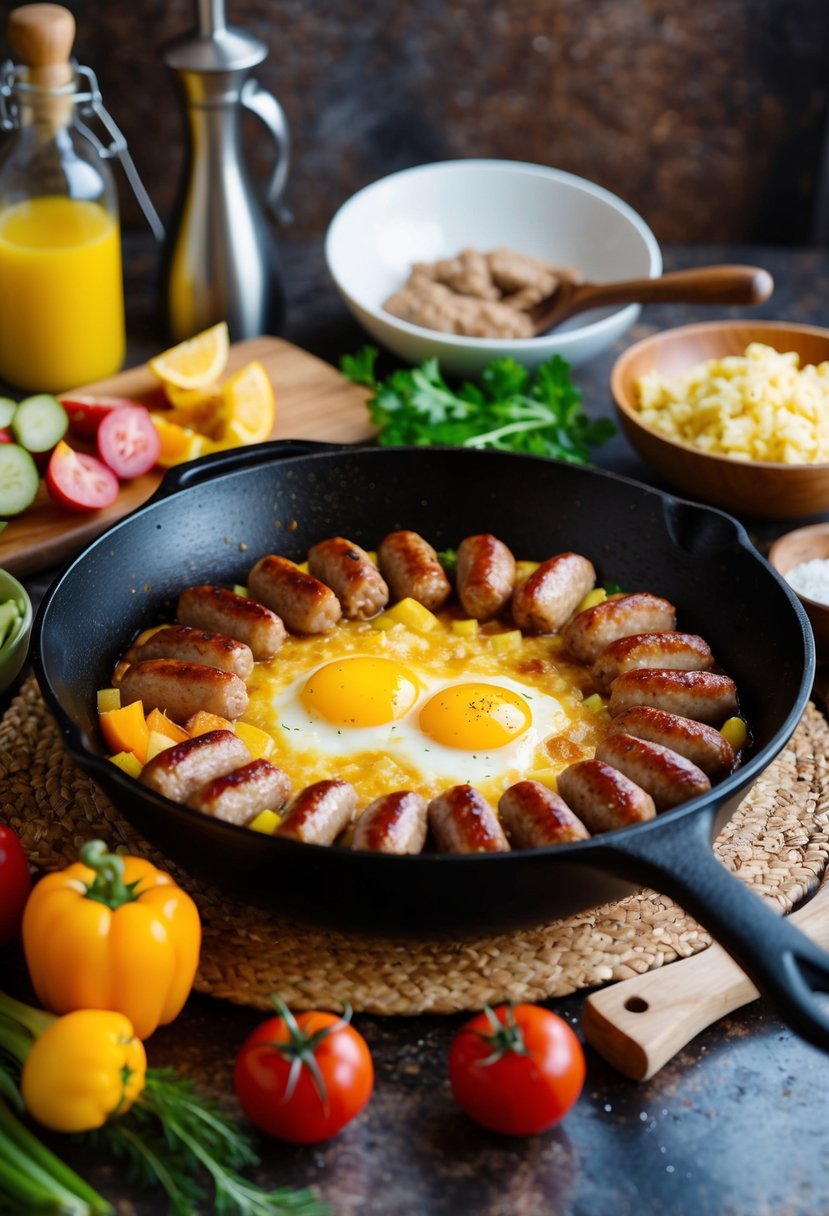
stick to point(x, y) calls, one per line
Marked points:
point(733, 1125)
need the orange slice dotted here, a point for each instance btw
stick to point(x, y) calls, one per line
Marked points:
point(178, 443)
point(196, 363)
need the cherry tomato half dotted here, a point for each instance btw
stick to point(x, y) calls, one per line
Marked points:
point(127, 441)
point(86, 413)
point(15, 884)
point(303, 1078)
point(79, 482)
point(516, 1069)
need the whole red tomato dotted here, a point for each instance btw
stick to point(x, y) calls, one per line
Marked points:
point(15, 884)
point(303, 1078)
point(516, 1069)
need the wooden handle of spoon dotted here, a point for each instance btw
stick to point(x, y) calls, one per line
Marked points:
point(704, 285)
point(638, 1024)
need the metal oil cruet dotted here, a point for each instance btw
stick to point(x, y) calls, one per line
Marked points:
point(221, 261)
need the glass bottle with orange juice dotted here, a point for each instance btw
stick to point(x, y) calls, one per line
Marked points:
point(61, 289)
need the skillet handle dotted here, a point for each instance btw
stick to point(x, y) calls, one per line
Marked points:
point(675, 856)
point(195, 472)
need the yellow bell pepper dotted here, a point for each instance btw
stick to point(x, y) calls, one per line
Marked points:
point(84, 1068)
point(115, 933)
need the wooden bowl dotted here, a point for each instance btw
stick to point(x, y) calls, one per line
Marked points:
point(755, 488)
point(789, 551)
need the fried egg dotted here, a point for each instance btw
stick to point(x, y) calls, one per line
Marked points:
point(402, 710)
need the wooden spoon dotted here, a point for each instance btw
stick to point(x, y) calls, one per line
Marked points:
point(637, 1025)
point(705, 285)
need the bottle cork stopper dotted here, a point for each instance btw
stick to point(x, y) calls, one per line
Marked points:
point(41, 37)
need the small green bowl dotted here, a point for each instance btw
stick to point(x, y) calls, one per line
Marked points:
point(13, 655)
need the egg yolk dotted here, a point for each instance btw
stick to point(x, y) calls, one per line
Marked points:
point(475, 717)
point(360, 692)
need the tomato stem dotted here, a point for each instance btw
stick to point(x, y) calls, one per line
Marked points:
point(301, 1047)
point(505, 1037)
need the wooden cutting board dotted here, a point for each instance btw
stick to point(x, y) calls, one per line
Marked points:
point(313, 401)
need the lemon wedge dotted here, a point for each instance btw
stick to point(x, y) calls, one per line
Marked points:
point(196, 363)
point(178, 443)
point(248, 408)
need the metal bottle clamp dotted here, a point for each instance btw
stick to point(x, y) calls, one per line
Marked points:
point(90, 105)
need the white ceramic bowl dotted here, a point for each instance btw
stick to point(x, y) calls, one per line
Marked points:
point(435, 211)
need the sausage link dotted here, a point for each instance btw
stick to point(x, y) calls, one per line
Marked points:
point(210, 607)
point(463, 822)
point(180, 770)
point(394, 823)
point(180, 689)
point(305, 604)
point(319, 812)
point(485, 576)
point(196, 646)
point(352, 576)
point(239, 795)
point(668, 777)
point(553, 592)
point(701, 744)
point(702, 695)
point(534, 816)
point(617, 617)
point(412, 569)
point(669, 650)
point(602, 797)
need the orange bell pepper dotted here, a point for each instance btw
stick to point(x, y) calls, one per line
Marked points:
point(112, 932)
point(159, 722)
point(126, 730)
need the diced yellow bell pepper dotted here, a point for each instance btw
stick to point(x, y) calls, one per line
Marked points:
point(240, 590)
point(128, 763)
point(413, 615)
point(505, 643)
point(594, 702)
point(736, 732)
point(161, 724)
point(383, 623)
point(546, 776)
point(465, 629)
point(158, 742)
point(258, 742)
point(108, 699)
point(265, 822)
point(126, 730)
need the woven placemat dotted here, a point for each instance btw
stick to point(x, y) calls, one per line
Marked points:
point(777, 842)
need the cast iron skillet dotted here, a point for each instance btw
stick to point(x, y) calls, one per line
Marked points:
point(211, 520)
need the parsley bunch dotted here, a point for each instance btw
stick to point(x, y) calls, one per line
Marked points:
point(511, 409)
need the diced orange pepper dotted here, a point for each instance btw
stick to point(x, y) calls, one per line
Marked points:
point(159, 722)
point(126, 730)
point(201, 722)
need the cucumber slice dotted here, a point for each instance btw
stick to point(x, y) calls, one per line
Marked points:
point(19, 479)
point(7, 411)
point(39, 422)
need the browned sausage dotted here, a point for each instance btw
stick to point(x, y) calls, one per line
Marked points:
point(485, 576)
point(180, 689)
point(305, 604)
point(553, 592)
point(668, 777)
point(352, 576)
point(602, 797)
point(180, 770)
point(702, 695)
point(701, 744)
point(319, 812)
point(533, 816)
point(462, 821)
point(412, 569)
point(394, 823)
point(196, 646)
point(239, 616)
point(669, 650)
point(239, 796)
point(617, 617)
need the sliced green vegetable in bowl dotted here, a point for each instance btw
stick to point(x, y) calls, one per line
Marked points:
point(15, 627)
point(511, 409)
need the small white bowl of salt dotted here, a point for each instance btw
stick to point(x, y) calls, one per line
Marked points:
point(802, 558)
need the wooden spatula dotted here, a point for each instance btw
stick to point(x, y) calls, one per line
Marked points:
point(705, 285)
point(637, 1025)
